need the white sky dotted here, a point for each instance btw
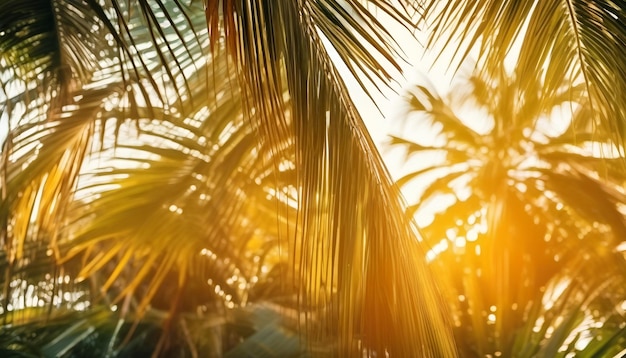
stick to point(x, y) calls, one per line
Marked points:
point(420, 66)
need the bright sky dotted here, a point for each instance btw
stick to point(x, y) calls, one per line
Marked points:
point(421, 67)
point(387, 119)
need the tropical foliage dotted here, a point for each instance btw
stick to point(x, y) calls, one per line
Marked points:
point(167, 165)
point(193, 179)
point(579, 41)
point(528, 238)
point(526, 213)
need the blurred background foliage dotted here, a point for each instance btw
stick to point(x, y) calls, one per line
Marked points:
point(529, 239)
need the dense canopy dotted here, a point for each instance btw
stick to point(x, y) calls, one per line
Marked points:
point(184, 178)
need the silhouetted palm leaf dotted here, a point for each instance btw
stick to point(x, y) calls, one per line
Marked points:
point(580, 41)
point(361, 282)
point(150, 161)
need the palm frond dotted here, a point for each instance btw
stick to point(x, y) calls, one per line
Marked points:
point(581, 41)
point(50, 139)
point(376, 294)
point(580, 311)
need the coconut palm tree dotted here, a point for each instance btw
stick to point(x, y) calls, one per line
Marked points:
point(170, 171)
point(530, 55)
point(527, 230)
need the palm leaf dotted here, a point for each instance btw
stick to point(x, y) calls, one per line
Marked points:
point(579, 312)
point(279, 42)
point(579, 41)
